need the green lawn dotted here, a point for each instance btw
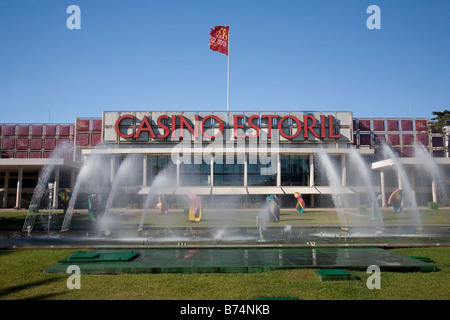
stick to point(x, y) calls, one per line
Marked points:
point(235, 217)
point(22, 277)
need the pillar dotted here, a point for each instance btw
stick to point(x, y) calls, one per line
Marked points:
point(19, 188)
point(56, 187)
point(112, 169)
point(6, 189)
point(434, 191)
point(178, 171)
point(311, 176)
point(245, 170)
point(344, 170)
point(278, 171)
point(211, 171)
point(144, 170)
point(383, 189)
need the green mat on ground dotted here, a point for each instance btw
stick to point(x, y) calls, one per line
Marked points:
point(242, 260)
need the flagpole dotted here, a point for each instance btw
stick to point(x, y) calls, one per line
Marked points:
point(228, 72)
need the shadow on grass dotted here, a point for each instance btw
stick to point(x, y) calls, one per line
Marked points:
point(14, 289)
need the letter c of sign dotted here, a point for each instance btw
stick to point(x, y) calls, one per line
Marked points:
point(127, 116)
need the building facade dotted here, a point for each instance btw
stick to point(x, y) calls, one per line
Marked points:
point(225, 157)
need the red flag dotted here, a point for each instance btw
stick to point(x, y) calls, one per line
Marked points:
point(219, 39)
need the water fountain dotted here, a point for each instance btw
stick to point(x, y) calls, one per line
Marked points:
point(163, 182)
point(366, 180)
point(41, 188)
point(335, 183)
point(89, 177)
point(405, 185)
point(427, 163)
point(122, 176)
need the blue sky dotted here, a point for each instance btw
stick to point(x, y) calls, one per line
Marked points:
point(284, 55)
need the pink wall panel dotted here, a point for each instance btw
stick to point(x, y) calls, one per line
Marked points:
point(21, 154)
point(407, 139)
point(8, 144)
point(82, 139)
point(64, 131)
point(50, 131)
point(37, 130)
point(96, 138)
point(392, 125)
point(407, 125)
point(83, 125)
point(64, 144)
point(379, 139)
point(23, 130)
point(10, 130)
point(22, 144)
point(378, 125)
point(408, 152)
point(35, 154)
point(49, 144)
point(364, 125)
point(393, 139)
point(97, 124)
point(36, 144)
point(422, 138)
point(421, 125)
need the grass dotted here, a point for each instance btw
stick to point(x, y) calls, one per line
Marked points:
point(22, 277)
point(234, 217)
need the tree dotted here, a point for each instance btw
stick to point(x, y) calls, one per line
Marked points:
point(441, 123)
point(441, 120)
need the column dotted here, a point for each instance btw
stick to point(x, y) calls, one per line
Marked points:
point(211, 171)
point(19, 188)
point(433, 190)
point(245, 169)
point(344, 170)
point(311, 176)
point(56, 187)
point(112, 168)
point(383, 189)
point(178, 171)
point(144, 170)
point(278, 171)
point(311, 170)
point(6, 189)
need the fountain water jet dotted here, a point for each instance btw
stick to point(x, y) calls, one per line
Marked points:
point(429, 165)
point(336, 186)
point(163, 181)
point(42, 186)
point(405, 185)
point(93, 167)
point(129, 164)
point(365, 177)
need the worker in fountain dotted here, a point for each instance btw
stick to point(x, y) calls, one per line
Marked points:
point(162, 204)
point(273, 208)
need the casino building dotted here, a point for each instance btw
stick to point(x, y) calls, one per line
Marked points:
point(228, 158)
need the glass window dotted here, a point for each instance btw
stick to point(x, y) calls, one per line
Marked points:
point(262, 173)
point(228, 174)
point(195, 173)
point(294, 170)
point(155, 164)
